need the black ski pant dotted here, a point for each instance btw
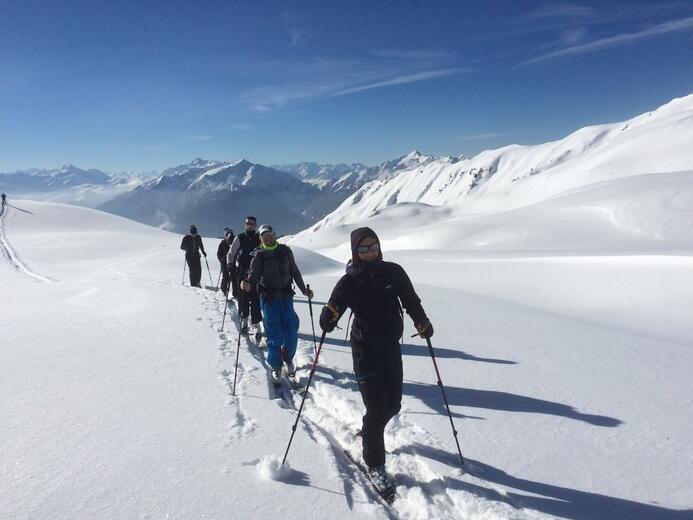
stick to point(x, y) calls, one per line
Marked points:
point(378, 369)
point(195, 269)
point(250, 304)
point(225, 278)
point(233, 280)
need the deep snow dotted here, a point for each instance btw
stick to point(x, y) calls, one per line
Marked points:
point(572, 398)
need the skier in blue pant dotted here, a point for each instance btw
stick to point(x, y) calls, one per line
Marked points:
point(273, 270)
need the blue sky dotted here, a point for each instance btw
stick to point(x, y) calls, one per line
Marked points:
point(142, 85)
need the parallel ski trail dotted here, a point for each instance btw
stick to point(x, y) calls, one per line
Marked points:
point(9, 253)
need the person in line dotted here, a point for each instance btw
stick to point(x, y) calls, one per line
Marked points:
point(273, 269)
point(4, 200)
point(222, 252)
point(375, 291)
point(238, 261)
point(192, 245)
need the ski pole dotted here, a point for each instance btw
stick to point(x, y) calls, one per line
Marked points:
point(184, 266)
point(312, 323)
point(238, 345)
point(219, 279)
point(442, 389)
point(209, 273)
point(310, 378)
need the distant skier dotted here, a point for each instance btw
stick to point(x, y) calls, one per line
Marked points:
point(222, 251)
point(192, 245)
point(238, 262)
point(273, 269)
point(373, 289)
point(4, 200)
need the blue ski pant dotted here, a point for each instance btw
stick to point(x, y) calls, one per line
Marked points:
point(281, 328)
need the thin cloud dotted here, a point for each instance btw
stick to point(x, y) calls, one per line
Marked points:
point(240, 126)
point(293, 29)
point(573, 35)
point(416, 54)
point(561, 10)
point(200, 138)
point(612, 41)
point(303, 79)
point(401, 80)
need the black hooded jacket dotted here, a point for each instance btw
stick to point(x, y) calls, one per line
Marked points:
point(373, 291)
point(192, 245)
point(223, 249)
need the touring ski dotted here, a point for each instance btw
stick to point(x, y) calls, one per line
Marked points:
point(387, 493)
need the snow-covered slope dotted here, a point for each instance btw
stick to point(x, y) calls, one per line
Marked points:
point(567, 369)
point(338, 182)
point(516, 176)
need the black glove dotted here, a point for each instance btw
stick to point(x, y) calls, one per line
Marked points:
point(328, 318)
point(425, 329)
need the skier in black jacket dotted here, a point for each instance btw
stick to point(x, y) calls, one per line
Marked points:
point(238, 258)
point(373, 289)
point(192, 245)
point(222, 251)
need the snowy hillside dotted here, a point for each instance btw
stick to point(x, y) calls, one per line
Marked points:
point(319, 175)
point(338, 182)
point(516, 176)
point(566, 360)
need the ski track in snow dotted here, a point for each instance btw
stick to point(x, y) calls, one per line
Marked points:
point(11, 256)
point(426, 470)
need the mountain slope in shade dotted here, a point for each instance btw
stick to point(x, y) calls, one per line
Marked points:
point(214, 195)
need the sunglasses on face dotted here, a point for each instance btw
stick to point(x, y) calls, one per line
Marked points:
point(250, 224)
point(373, 248)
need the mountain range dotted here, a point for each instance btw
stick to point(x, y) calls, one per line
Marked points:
point(293, 197)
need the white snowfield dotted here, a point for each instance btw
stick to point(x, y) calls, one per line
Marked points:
point(563, 334)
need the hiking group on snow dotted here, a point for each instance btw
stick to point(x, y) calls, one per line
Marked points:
point(260, 273)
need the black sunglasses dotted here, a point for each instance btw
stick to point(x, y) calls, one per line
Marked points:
point(373, 248)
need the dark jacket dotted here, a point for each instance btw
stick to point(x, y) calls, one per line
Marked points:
point(223, 250)
point(192, 245)
point(274, 271)
point(376, 292)
point(241, 251)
